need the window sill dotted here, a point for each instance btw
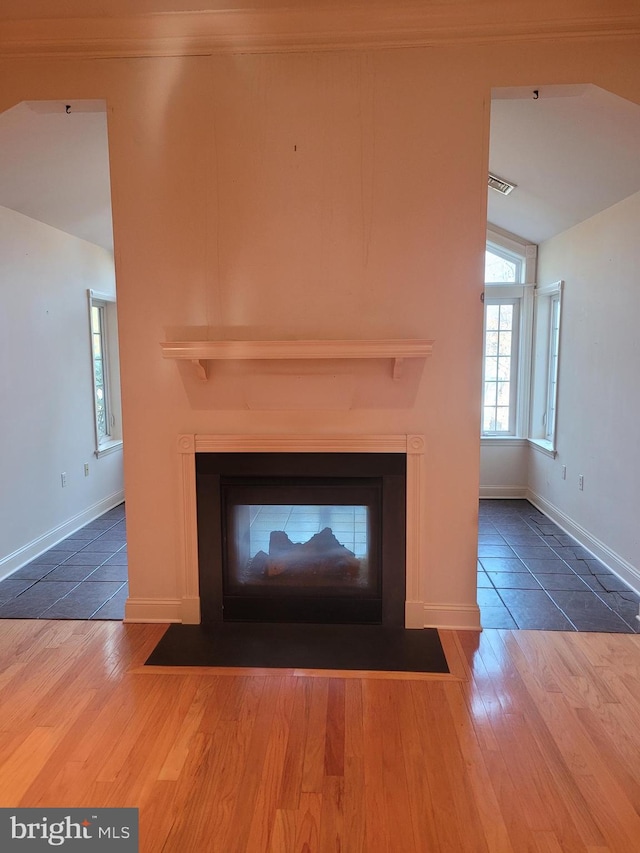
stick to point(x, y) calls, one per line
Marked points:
point(108, 447)
point(503, 440)
point(543, 446)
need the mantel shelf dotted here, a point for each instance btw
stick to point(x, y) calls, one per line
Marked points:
point(200, 353)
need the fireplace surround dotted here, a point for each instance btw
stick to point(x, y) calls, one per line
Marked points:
point(411, 447)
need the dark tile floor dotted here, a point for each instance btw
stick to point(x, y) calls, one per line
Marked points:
point(82, 577)
point(530, 575)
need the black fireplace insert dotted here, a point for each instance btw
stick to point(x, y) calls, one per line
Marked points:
point(302, 537)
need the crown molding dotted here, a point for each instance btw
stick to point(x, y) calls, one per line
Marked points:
point(296, 29)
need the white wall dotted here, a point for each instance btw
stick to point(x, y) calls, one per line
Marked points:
point(46, 403)
point(599, 386)
point(503, 468)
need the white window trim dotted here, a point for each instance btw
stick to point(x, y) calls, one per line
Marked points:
point(113, 441)
point(509, 256)
point(107, 447)
point(544, 446)
point(553, 348)
point(523, 292)
point(538, 435)
point(514, 247)
point(508, 295)
point(505, 440)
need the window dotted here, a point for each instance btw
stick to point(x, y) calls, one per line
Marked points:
point(501, 266)
point(106, 372)
point(552, 380)
point(98, 347)
point(546, 345)
point(521, 345)
point(502, 324)
point(507, 335)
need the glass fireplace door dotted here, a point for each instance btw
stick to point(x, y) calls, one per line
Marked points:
point(306, 550)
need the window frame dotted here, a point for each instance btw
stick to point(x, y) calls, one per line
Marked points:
point(506, 297)
point(506, 255)
point(512, 248)
point(552, 373)
point(543, 426)
point(112, 440)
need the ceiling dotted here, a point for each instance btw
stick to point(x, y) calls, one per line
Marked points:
point(54, 166)
point(572, 152)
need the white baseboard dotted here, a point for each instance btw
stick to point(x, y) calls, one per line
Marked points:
point(153, 610)
point(38, 546)
point(460, 617)
point(617, 564)
point(508, 492)
point(418, 615)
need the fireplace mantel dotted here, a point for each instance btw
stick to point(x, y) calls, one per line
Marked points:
point(200, 353)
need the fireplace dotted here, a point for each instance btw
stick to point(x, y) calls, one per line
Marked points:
point(198, 602)
point(302, 537)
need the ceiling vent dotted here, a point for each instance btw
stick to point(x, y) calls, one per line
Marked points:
point(500, 185)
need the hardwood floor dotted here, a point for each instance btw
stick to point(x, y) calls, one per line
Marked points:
point(532, 744)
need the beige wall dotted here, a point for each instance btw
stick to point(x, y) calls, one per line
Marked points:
point(307, 194)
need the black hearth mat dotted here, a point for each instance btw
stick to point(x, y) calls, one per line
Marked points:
point(295, 646)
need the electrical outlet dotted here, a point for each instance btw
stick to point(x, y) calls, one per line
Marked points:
point(564, 472)
point(580, 482)
point(86, 469)
point(63, 479)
